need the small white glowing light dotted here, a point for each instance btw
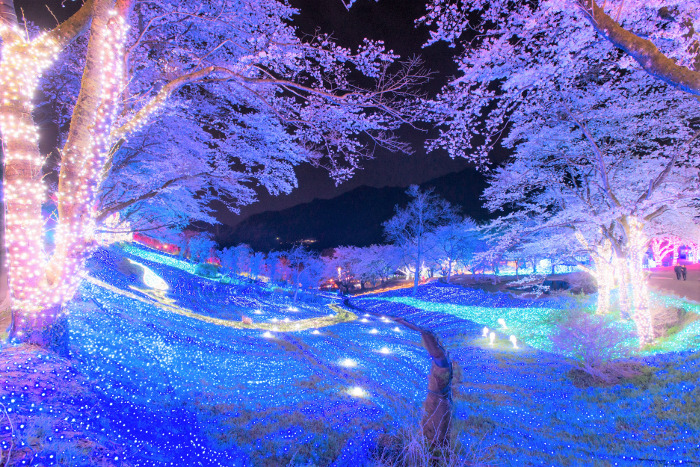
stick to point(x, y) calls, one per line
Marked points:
point(397, 329)
point(514, 341)
point(366, 315)
point(258, 312)
point(292, 308)
point(357, 391)
point(373, 331)
point(485, 332)
point(315, 331)
point(492, 337)
point(348, 363)
point(268, 335)
point(286, 320)
point(385, 319)
point(364, 320)
point(274, 320)
point(385, 350)
point(502, 323)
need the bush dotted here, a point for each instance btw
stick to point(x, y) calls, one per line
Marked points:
point(208, 270)
point(598, 343)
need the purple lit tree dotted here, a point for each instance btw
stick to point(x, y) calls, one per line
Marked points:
point(412, 226)
point(342, 266)
point(513, 52)
point(603, 149)
point(377, 263)
point(455, 244)
point(236, 259)
point(609, 176)
point(155, 96)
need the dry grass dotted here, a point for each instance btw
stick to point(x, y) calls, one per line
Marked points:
point(409, 448)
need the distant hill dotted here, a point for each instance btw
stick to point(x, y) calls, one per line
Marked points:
point(353, 218)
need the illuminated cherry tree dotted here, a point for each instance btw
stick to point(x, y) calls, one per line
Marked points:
point(512, 51)
point(214, 76)
point(603, 148)
point(663, 246)
point(455, 245)
point(610, 175)
point(412, 227)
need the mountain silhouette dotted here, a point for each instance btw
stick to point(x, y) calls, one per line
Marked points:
point(353, 218)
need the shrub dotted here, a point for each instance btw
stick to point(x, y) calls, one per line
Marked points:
point(208, 270)
point(599, 344)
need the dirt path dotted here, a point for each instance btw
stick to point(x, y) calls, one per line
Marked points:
point(663, 279)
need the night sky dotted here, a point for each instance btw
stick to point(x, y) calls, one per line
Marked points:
point(393, 22)
point(388, 20)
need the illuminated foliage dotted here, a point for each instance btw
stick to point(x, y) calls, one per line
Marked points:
point(604, 151)
point(412, 226)
point(156, 128)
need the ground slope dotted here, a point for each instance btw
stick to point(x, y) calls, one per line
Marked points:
point(152, 386)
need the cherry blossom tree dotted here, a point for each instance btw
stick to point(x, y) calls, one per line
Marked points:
point(211, 74)
point(378, 263)
point(603, 149)
point(513, 51)
point(455, 244)
point(305, 268)
point(342, 266)
point(609, 176)
point(663, 246)
point(256, 263)
point(200, 247)
point(236, 259)
point(412, 226)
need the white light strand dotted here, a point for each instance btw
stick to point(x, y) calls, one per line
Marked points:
point(35, 298)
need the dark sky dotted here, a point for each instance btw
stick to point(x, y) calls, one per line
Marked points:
point(393, 22)
point(388, 20)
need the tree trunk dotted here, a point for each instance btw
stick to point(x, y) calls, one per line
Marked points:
point(416, 275)
point(640, 292)
point(604, 275)
point(603, 301)
point(436, 423)
point(5, 311)
point(622, 279)
point(39, 285)
point(33, 299)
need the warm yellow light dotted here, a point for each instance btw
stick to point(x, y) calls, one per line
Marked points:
point(357, 391)
point(348, 363)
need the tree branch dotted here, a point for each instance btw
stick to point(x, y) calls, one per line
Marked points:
point(106, 212)
point(652, 60)
point(598, 154)
point(71, 28)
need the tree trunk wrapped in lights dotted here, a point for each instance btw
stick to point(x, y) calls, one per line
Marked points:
point(603, 271)
point(640, 292)
point(40, 282)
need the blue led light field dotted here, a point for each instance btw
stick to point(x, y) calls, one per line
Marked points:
point(149, 386)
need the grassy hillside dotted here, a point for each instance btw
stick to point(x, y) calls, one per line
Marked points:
point(163, 372)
